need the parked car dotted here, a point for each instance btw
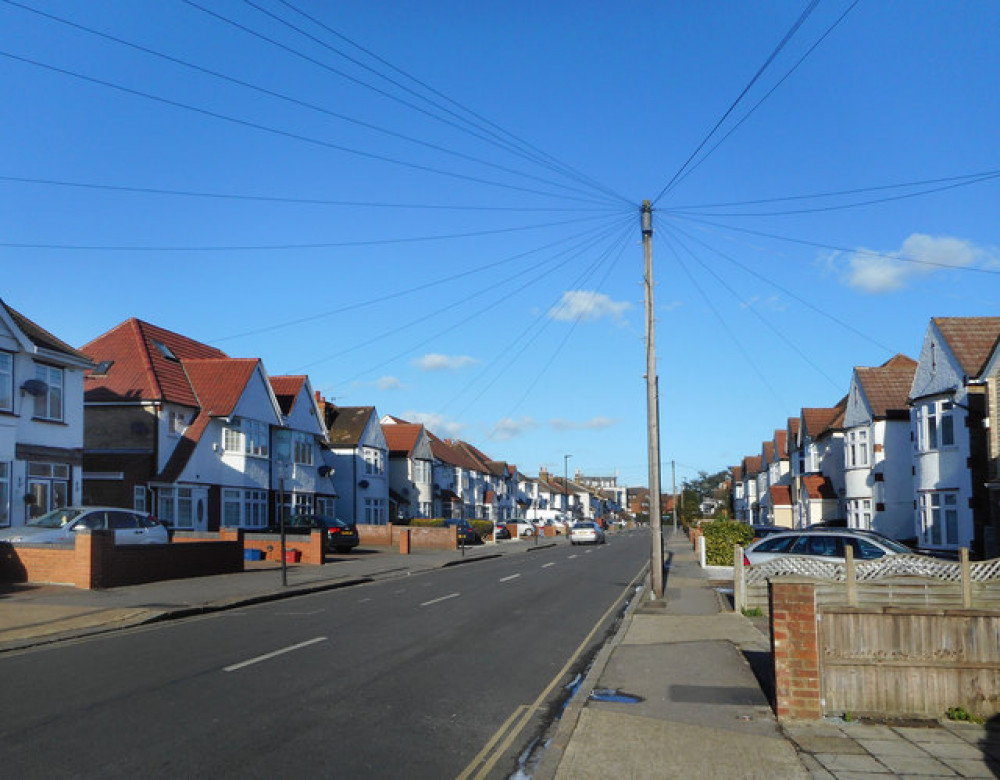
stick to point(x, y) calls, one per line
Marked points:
point(466, 534)
point(826, 543)
point(500, 530)
point(59, 525)
point(522, 528)
point(341, 536)
point(586, 533)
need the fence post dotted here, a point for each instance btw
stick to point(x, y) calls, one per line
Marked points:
point(739, 580)
point(963, 557)
point(701, 550)
point(850, 576)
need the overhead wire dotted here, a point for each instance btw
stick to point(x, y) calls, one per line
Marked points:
point(760, 317)
point(856, 251)
point(760, 71)
point(342, 74)
point(491, 290)
point(287, 134)
point(281, 96)
point(805, 302)
point(297, 201)
point(524, 145)
point(745, 353)
point(543, 319)
point(408, 291)
point(768, 94)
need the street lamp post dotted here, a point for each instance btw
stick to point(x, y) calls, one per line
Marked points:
point(566, 485)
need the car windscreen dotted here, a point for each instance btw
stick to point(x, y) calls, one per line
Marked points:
point(57, 518)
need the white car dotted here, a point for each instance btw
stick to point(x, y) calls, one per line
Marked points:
point(586, 533)
point(59, 525)
point(828, 543)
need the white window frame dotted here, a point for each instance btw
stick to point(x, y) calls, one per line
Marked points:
point(374, 460)
point(255, 438)
point(176, 423)
point(856, 451)
point(232, 439)
point(936, 425)
point(325, 506)
point(375, 511)
point(939, 518)
point(6, 382)
point(49, 405)
point(302, 448)
point(244, 508)
point(139, 499)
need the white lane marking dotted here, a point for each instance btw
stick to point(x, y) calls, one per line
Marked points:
point(267, 656)
point(589, 552)
point(546, 565)
point(443, 598)
point(572, 556)
point(362, 601)
point(511, 577)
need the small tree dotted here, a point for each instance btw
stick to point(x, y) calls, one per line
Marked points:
point(720, 536)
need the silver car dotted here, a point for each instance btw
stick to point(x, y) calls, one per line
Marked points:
point(828, 543)
point(586, 533)
point(59, 525)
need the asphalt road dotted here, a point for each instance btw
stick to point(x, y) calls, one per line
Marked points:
point(444, 674)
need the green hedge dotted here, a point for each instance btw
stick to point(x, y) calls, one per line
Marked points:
point(483, 528)
point(720, 536)
point(427, 522)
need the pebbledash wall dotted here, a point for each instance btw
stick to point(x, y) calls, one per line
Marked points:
point(880, 661)
point(94, 561)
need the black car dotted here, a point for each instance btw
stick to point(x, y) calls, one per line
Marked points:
point(341, 536)
point(466, 535)
point(500, 530)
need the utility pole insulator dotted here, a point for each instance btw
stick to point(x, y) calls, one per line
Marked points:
point(647, 218)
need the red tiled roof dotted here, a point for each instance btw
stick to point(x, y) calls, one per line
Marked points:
point(752, 465)
point(971, 340)
point(818, 486)
point(887, 386)
point(401, 438)
point(767, 455)
point(737, 473)
point(286, 390)
point(781, 495)
point(820, 420)
point(219, 383)
point(140, 369)
point(781, 444)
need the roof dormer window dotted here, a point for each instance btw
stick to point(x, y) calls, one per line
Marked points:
point(166, 351)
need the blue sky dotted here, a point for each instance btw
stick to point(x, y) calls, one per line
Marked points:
point(461, 244)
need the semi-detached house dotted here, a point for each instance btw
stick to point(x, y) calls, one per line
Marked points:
point(41, 419)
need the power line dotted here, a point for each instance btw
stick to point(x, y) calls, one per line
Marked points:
point(399, 293)
point(760, 71)
point(284, 133)
point(768, 94)
point(283, 247)
point(536, 155)
point(284, 97)
point(836, 320)
point(297, 201)
point(866, 252)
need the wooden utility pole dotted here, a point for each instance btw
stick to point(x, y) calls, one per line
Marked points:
point(673, 487)
point(652, 409)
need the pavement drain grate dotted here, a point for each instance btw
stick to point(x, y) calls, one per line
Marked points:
point(610, 694)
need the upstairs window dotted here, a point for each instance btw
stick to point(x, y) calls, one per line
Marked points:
point(936, 425)
point(302, 448)
point(6, 382)
point(856, 450)
point(49, 405)
point(255, 434)
point(374, 460)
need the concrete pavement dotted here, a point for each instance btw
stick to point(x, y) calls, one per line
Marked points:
point(676, 696)
point(672, 694)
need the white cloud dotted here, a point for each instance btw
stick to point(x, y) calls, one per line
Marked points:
point(435, 423)
point(593, 424)
point(509, 428)
point(388, 383)
point(883, 273)
point(587, 305)
point(436, 362)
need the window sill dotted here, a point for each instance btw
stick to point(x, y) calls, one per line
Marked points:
point(47, 421)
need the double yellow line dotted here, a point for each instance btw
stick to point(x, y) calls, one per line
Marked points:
point(498, 744)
